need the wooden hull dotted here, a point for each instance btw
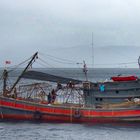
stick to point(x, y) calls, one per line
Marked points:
point(22, 110)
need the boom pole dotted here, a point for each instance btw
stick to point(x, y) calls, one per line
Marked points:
point(18, 79)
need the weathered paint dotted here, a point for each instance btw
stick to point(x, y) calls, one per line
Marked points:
point(23, 110)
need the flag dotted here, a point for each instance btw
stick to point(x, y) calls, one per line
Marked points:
point(7, 62)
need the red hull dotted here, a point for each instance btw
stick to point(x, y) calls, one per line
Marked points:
point(22, 110)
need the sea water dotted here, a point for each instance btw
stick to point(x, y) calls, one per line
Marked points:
point(67, 131)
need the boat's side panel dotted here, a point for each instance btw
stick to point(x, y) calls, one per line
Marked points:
point(20, 110)
point(14, 113)
point(111, 92)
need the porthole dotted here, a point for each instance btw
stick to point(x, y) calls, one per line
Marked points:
point(117, 91)
point(101, 99)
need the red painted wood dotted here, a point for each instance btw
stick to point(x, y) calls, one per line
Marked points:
point(63, 113)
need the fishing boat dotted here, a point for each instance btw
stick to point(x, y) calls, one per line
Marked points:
point(72, 100)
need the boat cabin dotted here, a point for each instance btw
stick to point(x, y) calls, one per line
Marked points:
point(110, 92)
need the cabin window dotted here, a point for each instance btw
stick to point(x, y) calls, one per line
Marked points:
point(96, 99)
point(101, 99)
point(117, 91)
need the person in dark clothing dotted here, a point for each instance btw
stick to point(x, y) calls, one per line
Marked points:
point(53, 96)
point(59, 86)
point(49, 98)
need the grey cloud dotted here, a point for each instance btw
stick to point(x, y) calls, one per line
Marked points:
point(54, 27)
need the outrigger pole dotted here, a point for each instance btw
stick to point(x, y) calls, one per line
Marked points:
point(33, 58)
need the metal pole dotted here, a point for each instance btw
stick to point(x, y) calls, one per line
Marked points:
point(5, 76)
point(34, 56)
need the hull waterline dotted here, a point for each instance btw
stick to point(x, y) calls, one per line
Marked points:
point(13, 109)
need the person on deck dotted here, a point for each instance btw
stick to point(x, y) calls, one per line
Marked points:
point(49, 98)
point(53, 94)
point(59, 86)
point(6, 93)
point(70, 84)
point(52, 97)
point(15, 93)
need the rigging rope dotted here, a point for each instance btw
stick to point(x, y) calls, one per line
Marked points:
point(60, 60)
point(71, 62)
point(118, 63)
point(44, 63)
point(17, 66)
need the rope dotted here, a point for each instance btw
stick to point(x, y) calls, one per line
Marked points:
point(17, 66)
point(118, 63)
point(71, 62)
point(61, 60)
point(45, 63)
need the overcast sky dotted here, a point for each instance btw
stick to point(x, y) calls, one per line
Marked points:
point(63, 28)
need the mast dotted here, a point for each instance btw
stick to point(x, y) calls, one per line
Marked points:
point(18, 79)
point(85, 70)
point(5, 76)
